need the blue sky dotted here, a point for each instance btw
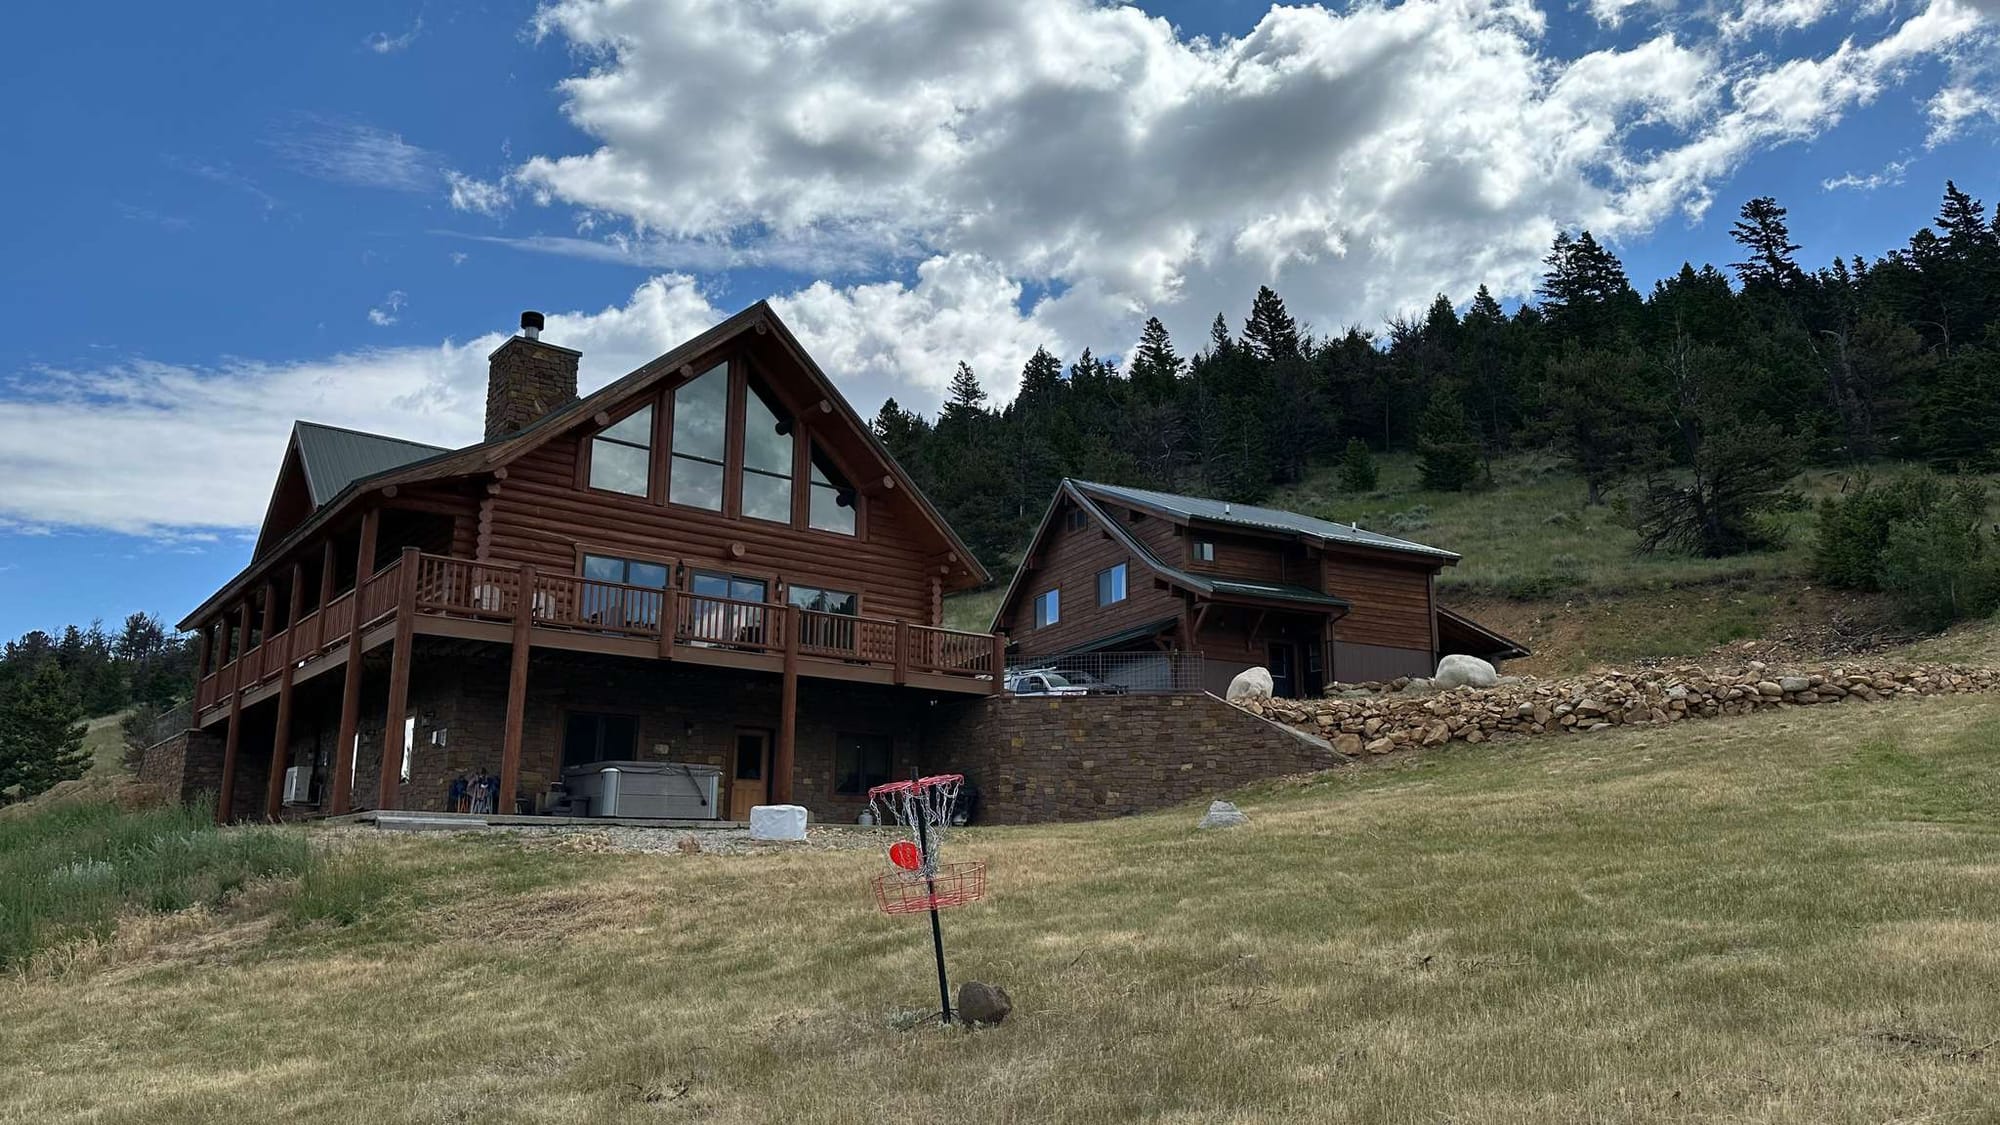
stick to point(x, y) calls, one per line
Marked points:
point(260, 212)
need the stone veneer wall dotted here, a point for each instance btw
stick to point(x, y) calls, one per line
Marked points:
point(1378, 721)
point(1082, 758)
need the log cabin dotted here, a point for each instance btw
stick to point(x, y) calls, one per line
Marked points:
point(710, 566)
point(1115, 569)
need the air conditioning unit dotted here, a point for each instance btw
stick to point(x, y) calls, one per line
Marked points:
point(298, 785)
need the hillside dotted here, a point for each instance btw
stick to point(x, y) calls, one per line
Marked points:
point(1568, 580)
point(1791, 917)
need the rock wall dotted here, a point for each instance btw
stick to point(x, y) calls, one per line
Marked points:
point(1041, 758)
point(1381, 718)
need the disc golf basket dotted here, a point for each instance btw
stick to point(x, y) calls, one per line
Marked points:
point(917, 882)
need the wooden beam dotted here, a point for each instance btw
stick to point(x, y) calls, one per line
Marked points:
point(670, 619)
point(364, 564)
point(281, 742)
point(326, 561)
point(999, 663)
point(517, 693)
point(902, 672)
point(342, 799)
point(225, 799)
point(788, 713)
point(391, 779)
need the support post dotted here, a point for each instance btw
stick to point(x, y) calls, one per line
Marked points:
point(390, 790)
point(326, 560)
point(670, 620)
point(350, 691)
point(517, 693)
point(281, 738)
point(788, 712)
point(225, 799)
point(999, 663)
point(902, 654)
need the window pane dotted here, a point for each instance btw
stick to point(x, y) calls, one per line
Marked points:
point(579, 740)
point(828, 513)
point(635, 428)
point(603, 569)
point(618, 468)
point(696, 483)
point(1111, 585)
point(621, 738)
point(711, 585)
point(862, 761)
point(646, 574)
point(825, 601)
point(746, 589)
point(767, 497)
point(700, 408)
point(763, 446)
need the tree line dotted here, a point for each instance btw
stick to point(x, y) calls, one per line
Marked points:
point(1703, 395)
point(49, 683)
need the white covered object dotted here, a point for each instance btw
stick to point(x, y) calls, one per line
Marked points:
point(1464, 671)
point(777, 822)
point(1250, 683)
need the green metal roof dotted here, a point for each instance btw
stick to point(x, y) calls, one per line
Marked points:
point(334, 458)
point(1273, 591)
point(1260, 519)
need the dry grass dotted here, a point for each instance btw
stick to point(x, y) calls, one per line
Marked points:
point(1792, 917)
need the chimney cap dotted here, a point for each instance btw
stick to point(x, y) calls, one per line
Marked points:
point(531, 324)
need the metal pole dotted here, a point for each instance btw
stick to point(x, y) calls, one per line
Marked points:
point(937, 934)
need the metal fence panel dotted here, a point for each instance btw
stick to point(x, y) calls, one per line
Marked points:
point(1145, 673)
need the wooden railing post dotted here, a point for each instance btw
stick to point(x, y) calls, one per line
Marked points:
point(225, 798)
point(274, 786)
point(902, 653)
point(670, 620)
point(999, 663)
point(788, 712)
point(391, 778)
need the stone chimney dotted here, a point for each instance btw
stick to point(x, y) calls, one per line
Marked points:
point(526, 379)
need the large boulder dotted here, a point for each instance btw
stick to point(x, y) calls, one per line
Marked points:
point(1250, 683)
point(1222, 814)
point(1457, 670)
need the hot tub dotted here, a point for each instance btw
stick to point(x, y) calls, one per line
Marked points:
point(660, 790)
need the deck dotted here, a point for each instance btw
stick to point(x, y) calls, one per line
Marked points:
point(451, 597)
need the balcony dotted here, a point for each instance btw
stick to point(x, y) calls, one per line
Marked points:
point(471, 600)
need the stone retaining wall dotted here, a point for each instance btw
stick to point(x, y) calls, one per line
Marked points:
point(1380, 720)
point(1036, 758)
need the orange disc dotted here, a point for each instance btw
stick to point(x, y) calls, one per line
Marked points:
point(904, 855)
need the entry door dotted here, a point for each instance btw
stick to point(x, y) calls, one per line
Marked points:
point(750, 774)
point(1284, 670)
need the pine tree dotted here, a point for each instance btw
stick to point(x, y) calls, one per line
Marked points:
point(41, 730)
point(1357, 467)
point(1596, 416)
point(1763, 233)
point(1448, 453)
point(964, 397)
point(1156, 369)
point(1585, 294)
point(1270, 333)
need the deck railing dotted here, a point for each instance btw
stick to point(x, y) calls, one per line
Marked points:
point(462, 588)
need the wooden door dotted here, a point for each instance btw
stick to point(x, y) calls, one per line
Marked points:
point(750, 773)
point(1284, 672)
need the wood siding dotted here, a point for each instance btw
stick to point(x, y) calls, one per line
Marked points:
point(1391, 600)
point(1071, 560)
point(539, 515)
point(1247, 556)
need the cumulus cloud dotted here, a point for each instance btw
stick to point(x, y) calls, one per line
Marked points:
point(1359, 160)
point(240, 414)
point(479, 196)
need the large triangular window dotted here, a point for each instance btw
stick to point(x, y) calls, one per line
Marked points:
point(621, 457)
point(767, 460)
point(833, 500)
point(701, 418)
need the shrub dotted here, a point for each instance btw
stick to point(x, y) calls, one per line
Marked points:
point(1447, 451)
point(1357, 467)
point(1414, 518)
point(1919, 539)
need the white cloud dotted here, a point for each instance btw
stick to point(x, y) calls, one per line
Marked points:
point(479, 196)
point(390, 310)
point(1954, 108)
point(382, 43)
point(1359, 160)
point(1891, 174)
point(353, 152)
point(1780, 15)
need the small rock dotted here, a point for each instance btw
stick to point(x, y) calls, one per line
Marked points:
point(979, 1002)
point(1791, 684)
point(1222, 814)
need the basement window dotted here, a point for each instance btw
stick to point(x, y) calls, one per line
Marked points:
point(1048, 608)
point(622, 454)
point(590, 737)
point(861, 762)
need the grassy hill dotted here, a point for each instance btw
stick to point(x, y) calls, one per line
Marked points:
point(1567, 579)
point(1793, 917)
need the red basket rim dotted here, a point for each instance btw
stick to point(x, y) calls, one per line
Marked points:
point(918, 786)
point(912, 892)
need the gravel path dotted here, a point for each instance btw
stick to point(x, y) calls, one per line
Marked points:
point(708, 841)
